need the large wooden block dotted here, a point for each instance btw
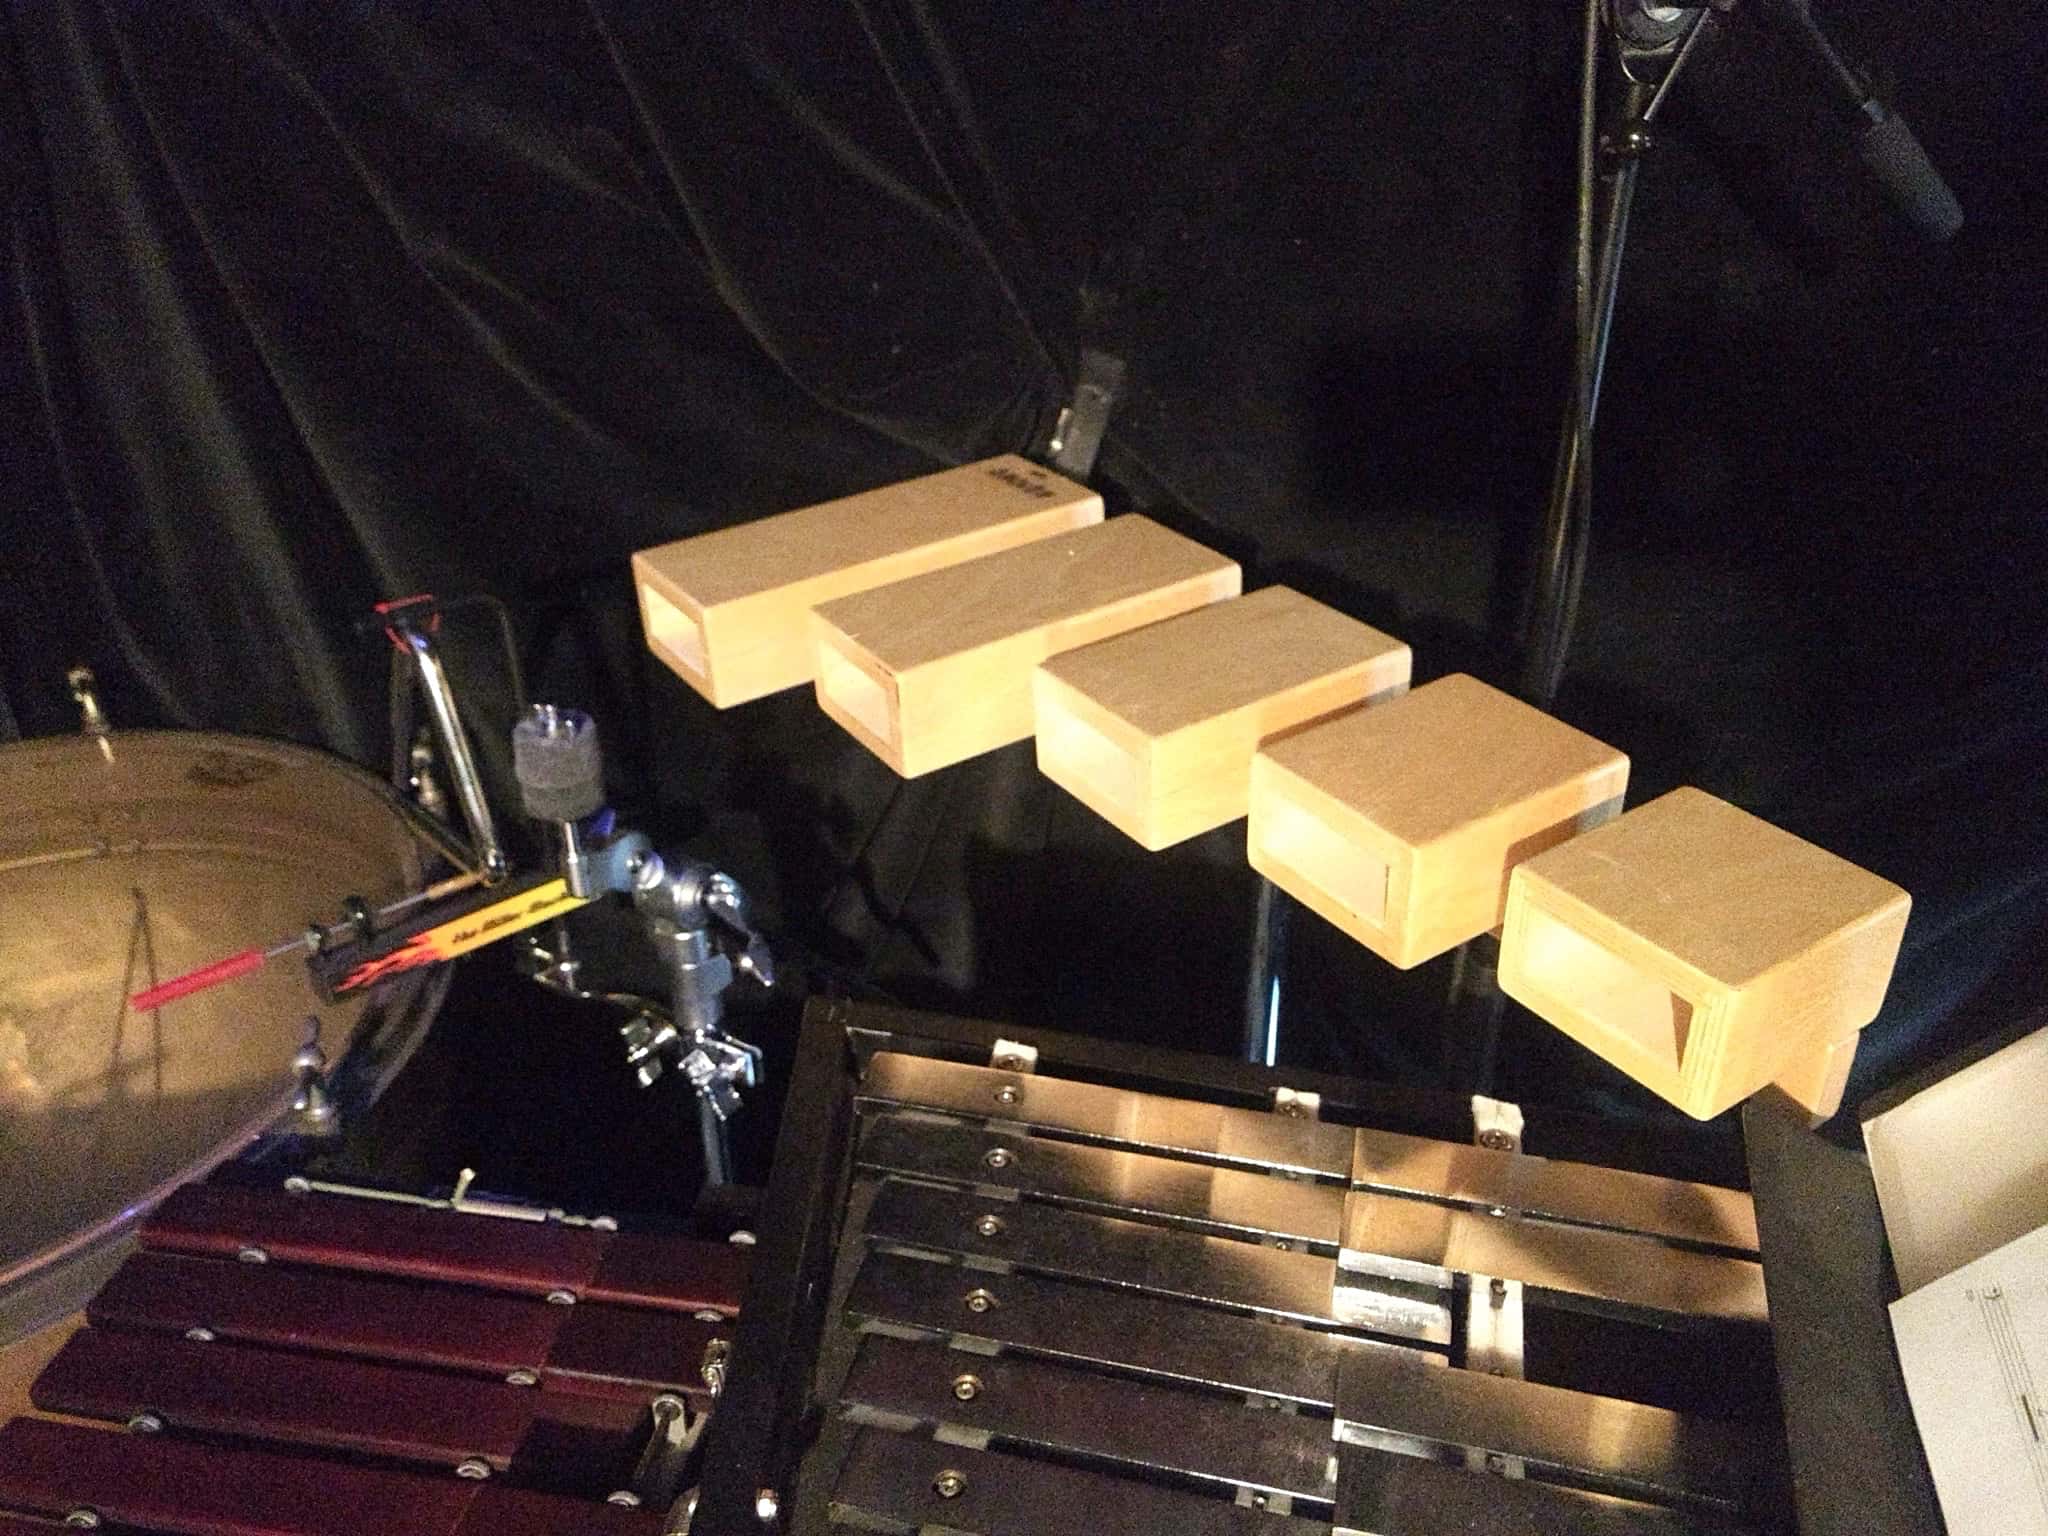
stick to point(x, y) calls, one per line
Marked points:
point(936, 669)
point(1400, 823)
point(1703, 951)
point(1155, 730)
point(729, 611)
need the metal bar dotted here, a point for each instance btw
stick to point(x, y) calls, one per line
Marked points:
point(893, 1482)
point(1187, 1266)
point(1124, 1184)
point(1581, 1194)
point(1604, 1443)
point(1258, 1140)
point(1672, 1145)
point(1380, 1493)
point(1575, 1193)
point(1084, 1324)
point(1393, 1238)
point(488, 856)
point(1049, 1409)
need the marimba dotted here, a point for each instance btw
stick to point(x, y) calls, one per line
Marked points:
point(1697, 948)
point(305, 1364)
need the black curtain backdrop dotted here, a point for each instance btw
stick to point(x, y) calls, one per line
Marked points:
point(309, 305)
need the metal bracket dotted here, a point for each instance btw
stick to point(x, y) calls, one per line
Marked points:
point(658, 1475)
point(1013, 1056)
point(1496, 1124)
point(1077, 435)
point(313, 1111)
point(1297, 1104)
point(1493, 1344)
point(457, 1201)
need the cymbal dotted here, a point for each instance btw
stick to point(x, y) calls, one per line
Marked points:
point(125, 865)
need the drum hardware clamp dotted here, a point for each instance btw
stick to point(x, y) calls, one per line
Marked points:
point(697, 917)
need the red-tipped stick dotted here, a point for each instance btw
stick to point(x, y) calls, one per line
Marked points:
point(197, 981)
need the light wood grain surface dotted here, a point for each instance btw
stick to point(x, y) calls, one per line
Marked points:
point(936, 669)
point(1400, 823)
point(729, 610)
point(1155, 730)
point(1702, 950)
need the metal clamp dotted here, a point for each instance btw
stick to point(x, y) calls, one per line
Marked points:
point(1496, 1124)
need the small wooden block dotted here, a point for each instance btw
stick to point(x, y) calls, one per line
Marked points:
point(1400, 823)
point(729, 610)
point(1703, 951)
point(937, 669)
point(1155, 730)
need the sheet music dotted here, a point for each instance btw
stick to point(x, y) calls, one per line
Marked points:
point(1974, 1347)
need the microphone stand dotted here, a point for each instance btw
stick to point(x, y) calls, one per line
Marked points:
point(1651, 45)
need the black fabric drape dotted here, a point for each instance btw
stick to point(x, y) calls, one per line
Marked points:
point(309, 305)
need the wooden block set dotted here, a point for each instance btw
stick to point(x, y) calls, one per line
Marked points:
point(1697, 948)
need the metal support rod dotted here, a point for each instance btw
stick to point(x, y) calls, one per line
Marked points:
point(1263, 979)
point(489, 857)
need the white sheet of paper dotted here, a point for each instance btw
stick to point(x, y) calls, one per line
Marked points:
point(1962, 1167)
point(1974, 1345)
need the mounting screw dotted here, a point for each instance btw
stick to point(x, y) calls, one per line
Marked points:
point(979, 1300)
point(967, 1387)
point(1497, 1141)
point(712, 1369)
point(767, 1504)
point(1009, 1063)
point(475, 1468)
point(252, 1255)
point(146, 1424)
point(998, 1157)
point(990, 1225)
point(1495, 1462)
point(83, 1519)
point(200, 1335)
point(561, 1298)
point(1007, 1094)
point(522, 1378)
point(1499, 1288)
point(950, 1484)
point(625, 1498)
point(1293, 1109)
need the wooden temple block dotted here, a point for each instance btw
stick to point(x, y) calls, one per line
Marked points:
point(729, 610)
point(1155, 730)
point(1400, 823)
point(937, 669)
point(1704, 952)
